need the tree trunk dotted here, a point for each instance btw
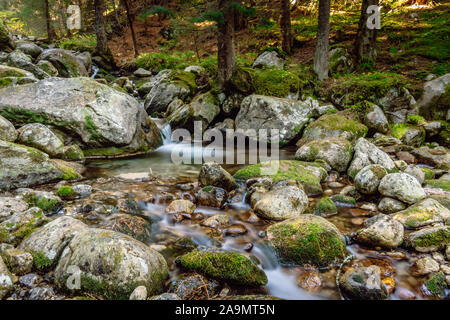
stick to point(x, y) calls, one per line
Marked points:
point(286, 29)
point(102, 44)
point(50, 34)
point(130, 21)
point(226, 50)
point(116, 14)
point(366, 39)
point(321, 65)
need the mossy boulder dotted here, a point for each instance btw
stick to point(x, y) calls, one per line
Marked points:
point(437, 286)
point(438, 184)
point(112, 264)
point(6, 43)
point(73, 153)
point(276, 83)
point(309, 174)
point(308, 239)
point(67, 64)
point(368, 179)
point(7, 130)
point(231, 267)
point(22, 166)
point(333, 126)
point(429, 239)
point(39, 136)
point(409, 134)
point(6, 278)
point(435, 101)
point(325, 207)
point(423, 213)
point(336, 152)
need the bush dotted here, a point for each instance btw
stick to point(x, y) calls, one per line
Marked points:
point(79, 43)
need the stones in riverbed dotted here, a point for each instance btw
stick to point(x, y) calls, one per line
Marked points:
point(9, 206)
point(47, 243)
point(326, 207)
point(423, 213)
point(18, 261)
point(231, 267)
point(308, 239)
point(7, 130)
point(6, 280)
point(212, 197)
point(112, 264)
point(39, 136)
point(425, 266)
point(285, 200)
point(180, 206)
point(336, 152)
point(388, 205)
point(382, 231)
point(368, 179)
point(363, 283)
point(212, 174)
point(403, 187)
point(67, 64)
point(429, 239)
point(194, 287)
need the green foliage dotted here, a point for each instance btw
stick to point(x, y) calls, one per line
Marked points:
point(157, 61)
point(162, 13)
point(41, 262)
point(277, 83)
point(85, 42)
point(66, 192)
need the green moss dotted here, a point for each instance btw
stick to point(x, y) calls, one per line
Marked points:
point(276, 83)
point(437, 285)
point(66, 192)
point(355, 88)
point(343, 200)
point(308, 241)
point(288, 170)
point(429, 174)
point(20, 116)
point(336, 122)
point(80, 43)
point(207, 188)
point(417, 120)
point(184, 79)
point(92, 129)
point(46, 205)
point(227, 266)
point(325, 207)
point(242, 80)
point(432, 239)
point(441, 184)
point(41, 262)
point(5, 82)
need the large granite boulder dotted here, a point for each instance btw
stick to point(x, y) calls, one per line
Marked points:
point(66, 62)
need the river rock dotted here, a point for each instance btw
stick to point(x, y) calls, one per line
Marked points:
point(429, 239)
point(423, 213)
point(48, 67)
point(366, 154)
point(216, 221)
point(388, 205)
point(6, 279)
point(96, 114)
point(425, 266)
point(112, 265)
point(326, 208)
point(363, 283)
point(29, 48)
point(308, 239)
point(49, 241)
point(403, 187)
point(180, 206)
point(23, 167)
point(21, 224)
point(194, 287)
point(409, 134)
point(212, 174)
point(231, 267)
point(261, 112)
point(18, 261)
point(39, 136)
point(20, 60)
point(416, 172)
point(333, 126)
point(269, 59)
point(140, 293)
point(368, 179)
point(375, 119)
point(67, 64)
point(162, 94)
point(163, 75)
point(336, 152)
point(9, 206)
point(382, 231)
point(436, 157)
point(212, 197)
point(432, 103)
point(133, 226)
point(7, 130)
point(283, 201)
point(142, 73)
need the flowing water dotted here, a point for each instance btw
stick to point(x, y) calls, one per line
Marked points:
point(180, 182)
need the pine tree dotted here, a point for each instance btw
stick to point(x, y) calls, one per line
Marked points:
point(321, 63)
point(286, 28)
point(366, 39)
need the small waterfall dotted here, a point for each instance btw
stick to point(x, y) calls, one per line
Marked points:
point(165, 129)
point(94, 71)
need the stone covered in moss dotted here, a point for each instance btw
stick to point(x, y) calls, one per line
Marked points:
point(343, 201)
point(66, 192)
point(73, 153)
point(7, 130)
point(437, 285)
point(112, 264)
point(403, 187)
point(439, 184)
point(429, 239)
point(6, 280)
point(309, 174)
point(336, 152)
point(18, 261)
point(435, 101)
point(325, 207)
point(308, 239)
point(423, 213)
point(368, 179)
point(227, 266)
point(409, 134)
point(276, 83)
point(334, 126)
point(133, 226)
point(67, 64)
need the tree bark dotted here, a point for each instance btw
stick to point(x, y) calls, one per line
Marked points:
point(286, 28)
point(321, 64)
point(226, 50)
point(102, 44)
point(366, 39)
point(130, 21)
point(50, 34)
point(116, 14)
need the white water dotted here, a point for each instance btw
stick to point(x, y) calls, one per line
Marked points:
point(95, 70)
